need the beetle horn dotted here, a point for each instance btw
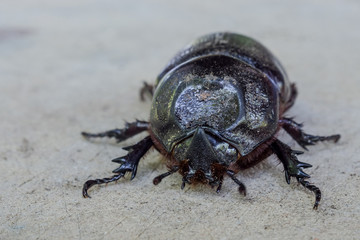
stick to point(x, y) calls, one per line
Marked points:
point(201, 153)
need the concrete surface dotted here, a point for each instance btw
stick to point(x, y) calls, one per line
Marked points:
point(68, 66)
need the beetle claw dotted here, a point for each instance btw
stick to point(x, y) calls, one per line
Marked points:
point(302, 174)
point(120, 160)
point(128, 148)
point(296, 152)
point(287, 177)
point(303, 165)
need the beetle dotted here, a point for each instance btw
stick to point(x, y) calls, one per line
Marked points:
point(216, 109)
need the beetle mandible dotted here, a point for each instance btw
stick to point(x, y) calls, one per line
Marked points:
point(216, 109)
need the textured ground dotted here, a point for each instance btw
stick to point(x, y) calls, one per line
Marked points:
point(68, 66)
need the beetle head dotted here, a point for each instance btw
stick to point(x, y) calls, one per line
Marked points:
point(203, 157)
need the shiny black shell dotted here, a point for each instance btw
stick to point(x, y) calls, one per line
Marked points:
point(227, 84)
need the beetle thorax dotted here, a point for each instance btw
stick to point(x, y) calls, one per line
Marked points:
point(215, 104)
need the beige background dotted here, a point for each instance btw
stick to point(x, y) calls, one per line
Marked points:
point(68, 66)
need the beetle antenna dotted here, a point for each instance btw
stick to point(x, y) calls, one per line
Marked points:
point(158, 179)
point(220, 184)
point(242, 188)
point(183, 183)
point(185, 180)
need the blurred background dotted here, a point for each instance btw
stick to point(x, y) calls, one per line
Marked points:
point(68, 66)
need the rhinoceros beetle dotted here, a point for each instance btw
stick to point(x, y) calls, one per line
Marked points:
point(216, 109)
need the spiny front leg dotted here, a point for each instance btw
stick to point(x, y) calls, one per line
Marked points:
point(129, 163)
point(130, 129)
point(303, 139)
point(293, 167)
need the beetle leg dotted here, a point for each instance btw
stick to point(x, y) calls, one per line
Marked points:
point(158, 179)
point(242, 188)
point(131, 129)
point(146, 89)
point(129, 163)
point(303, 139)
point(293, 167)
